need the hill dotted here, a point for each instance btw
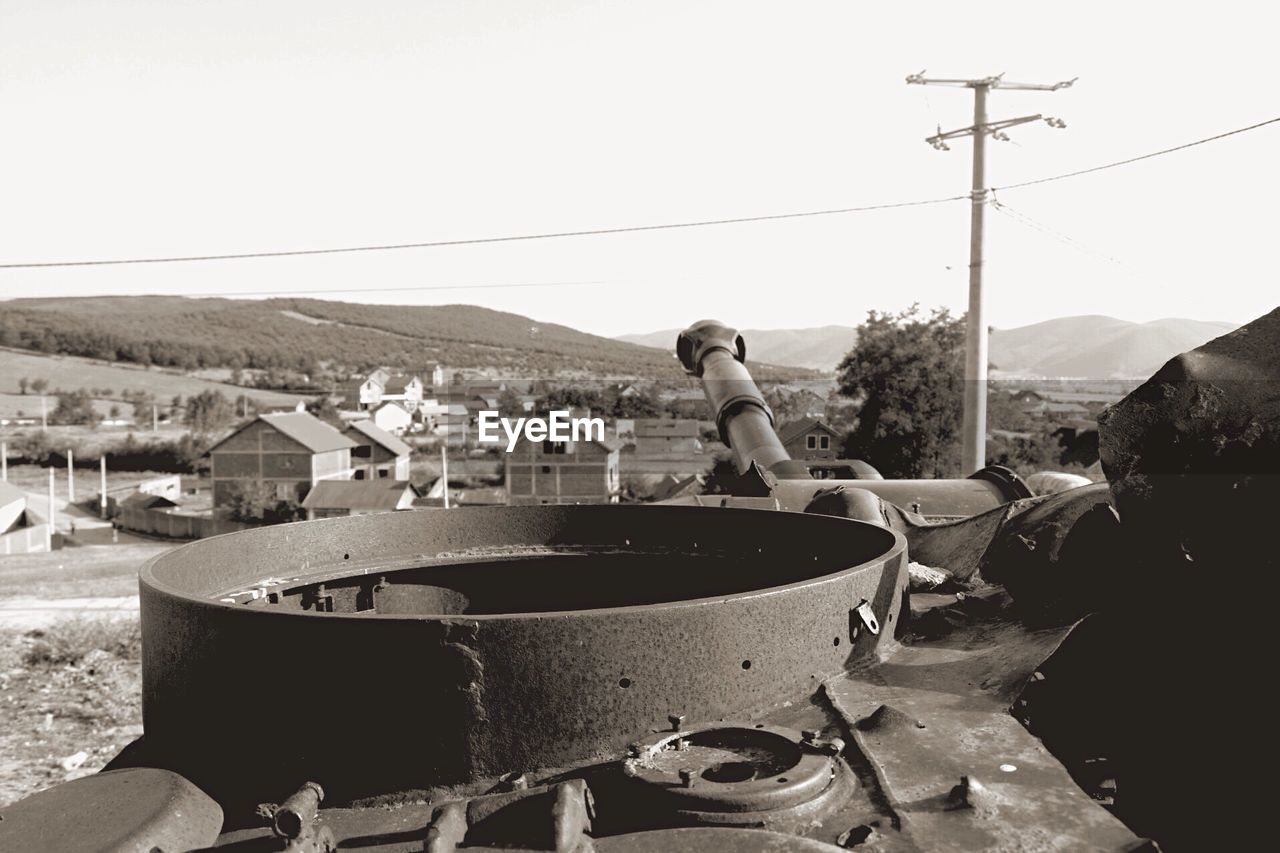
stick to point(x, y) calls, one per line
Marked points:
point(1091, 346)
point(303, 334)
point(816, 349)
point(1097, 347)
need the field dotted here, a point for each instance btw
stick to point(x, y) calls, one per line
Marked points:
point(72, 372)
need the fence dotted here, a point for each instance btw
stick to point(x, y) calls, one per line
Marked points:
point(158, 522)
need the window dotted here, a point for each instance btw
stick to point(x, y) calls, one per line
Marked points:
point(359, 474)
point(824, 442)
point(284, 491)
point(546, 469)
point(383, 473)
point(364, 451)
point(811, 442)
point(549, 447)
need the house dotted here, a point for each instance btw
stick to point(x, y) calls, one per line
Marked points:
point(563, 472)
point(454, 423)
point(291, 452)
point(21, 530)
point(660, 436)
point(378, 455)
point(333, 498)
point(13, 506)
point(1055, 411)
point(671, 486)
point(810, 438)
point(393, 418)
point(1026, 395)
point(403, 388)
point(144, 500)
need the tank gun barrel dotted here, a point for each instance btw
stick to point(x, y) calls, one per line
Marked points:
point(715, 354)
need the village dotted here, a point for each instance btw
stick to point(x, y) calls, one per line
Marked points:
point(394, 441)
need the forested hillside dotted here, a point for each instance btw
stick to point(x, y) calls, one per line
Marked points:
point(304, 334)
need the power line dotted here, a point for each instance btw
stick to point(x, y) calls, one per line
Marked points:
point(484, 240)
point(1141, 157)
point(1065, 239)
point(405, 288)
point(607, 231)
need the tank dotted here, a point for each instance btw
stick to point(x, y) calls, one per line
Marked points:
point(760, 672)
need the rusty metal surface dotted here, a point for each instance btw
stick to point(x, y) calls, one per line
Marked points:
point(956, 769)
point(138, 809)
point(755, 608)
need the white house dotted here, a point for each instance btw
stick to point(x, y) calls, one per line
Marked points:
point(393, 418)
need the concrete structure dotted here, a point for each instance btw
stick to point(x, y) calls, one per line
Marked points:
point(393, 418)
point(563, 472)
point(333, 498)
point(379, 455)
point(291, 452)
point(666, 436)
point(810, 438)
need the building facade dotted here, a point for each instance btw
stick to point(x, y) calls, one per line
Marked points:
point(378, 455)
point(289, 452)
point(810, 438)
point(563, 472)
point(667, 436)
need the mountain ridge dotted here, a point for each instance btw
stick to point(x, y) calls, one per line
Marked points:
point(1092, 346)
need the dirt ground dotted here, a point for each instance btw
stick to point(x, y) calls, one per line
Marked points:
point(70, 699)
point(70, 676)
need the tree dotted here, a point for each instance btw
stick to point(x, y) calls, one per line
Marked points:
point(22, 385)
point(255, 502)
point(721, 477)
point(908, 370)
point(324, 409)
point(209, 411)
point(509, 405)
point(176, 408)
point(114, 412)
point(74, 407)
point(39, 385)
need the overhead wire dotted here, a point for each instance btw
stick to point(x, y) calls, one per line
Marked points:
point(1139, 158)
point(622, 229)
point(485, 240)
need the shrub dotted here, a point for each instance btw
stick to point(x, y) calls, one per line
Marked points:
point(68, 642)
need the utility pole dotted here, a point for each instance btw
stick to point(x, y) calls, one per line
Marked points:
point(53, 512)
point(102, 488)
point(444, 468)
point(973, 432)
point(71, 477)
point(4, 461)
point(44, 414)
point(155, 418)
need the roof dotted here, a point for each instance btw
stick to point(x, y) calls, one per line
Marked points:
point(10, 493)
point(790, 432)
point(672, 486)
point(356, 494)
point(666, 428)
point(142, 500)
point(378, 435)
point(399, 382)
point(304, 428)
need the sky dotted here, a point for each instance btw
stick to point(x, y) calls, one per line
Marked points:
point(170, 127)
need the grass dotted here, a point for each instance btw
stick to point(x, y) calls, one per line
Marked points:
point(71, 641)
point(72, 372)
